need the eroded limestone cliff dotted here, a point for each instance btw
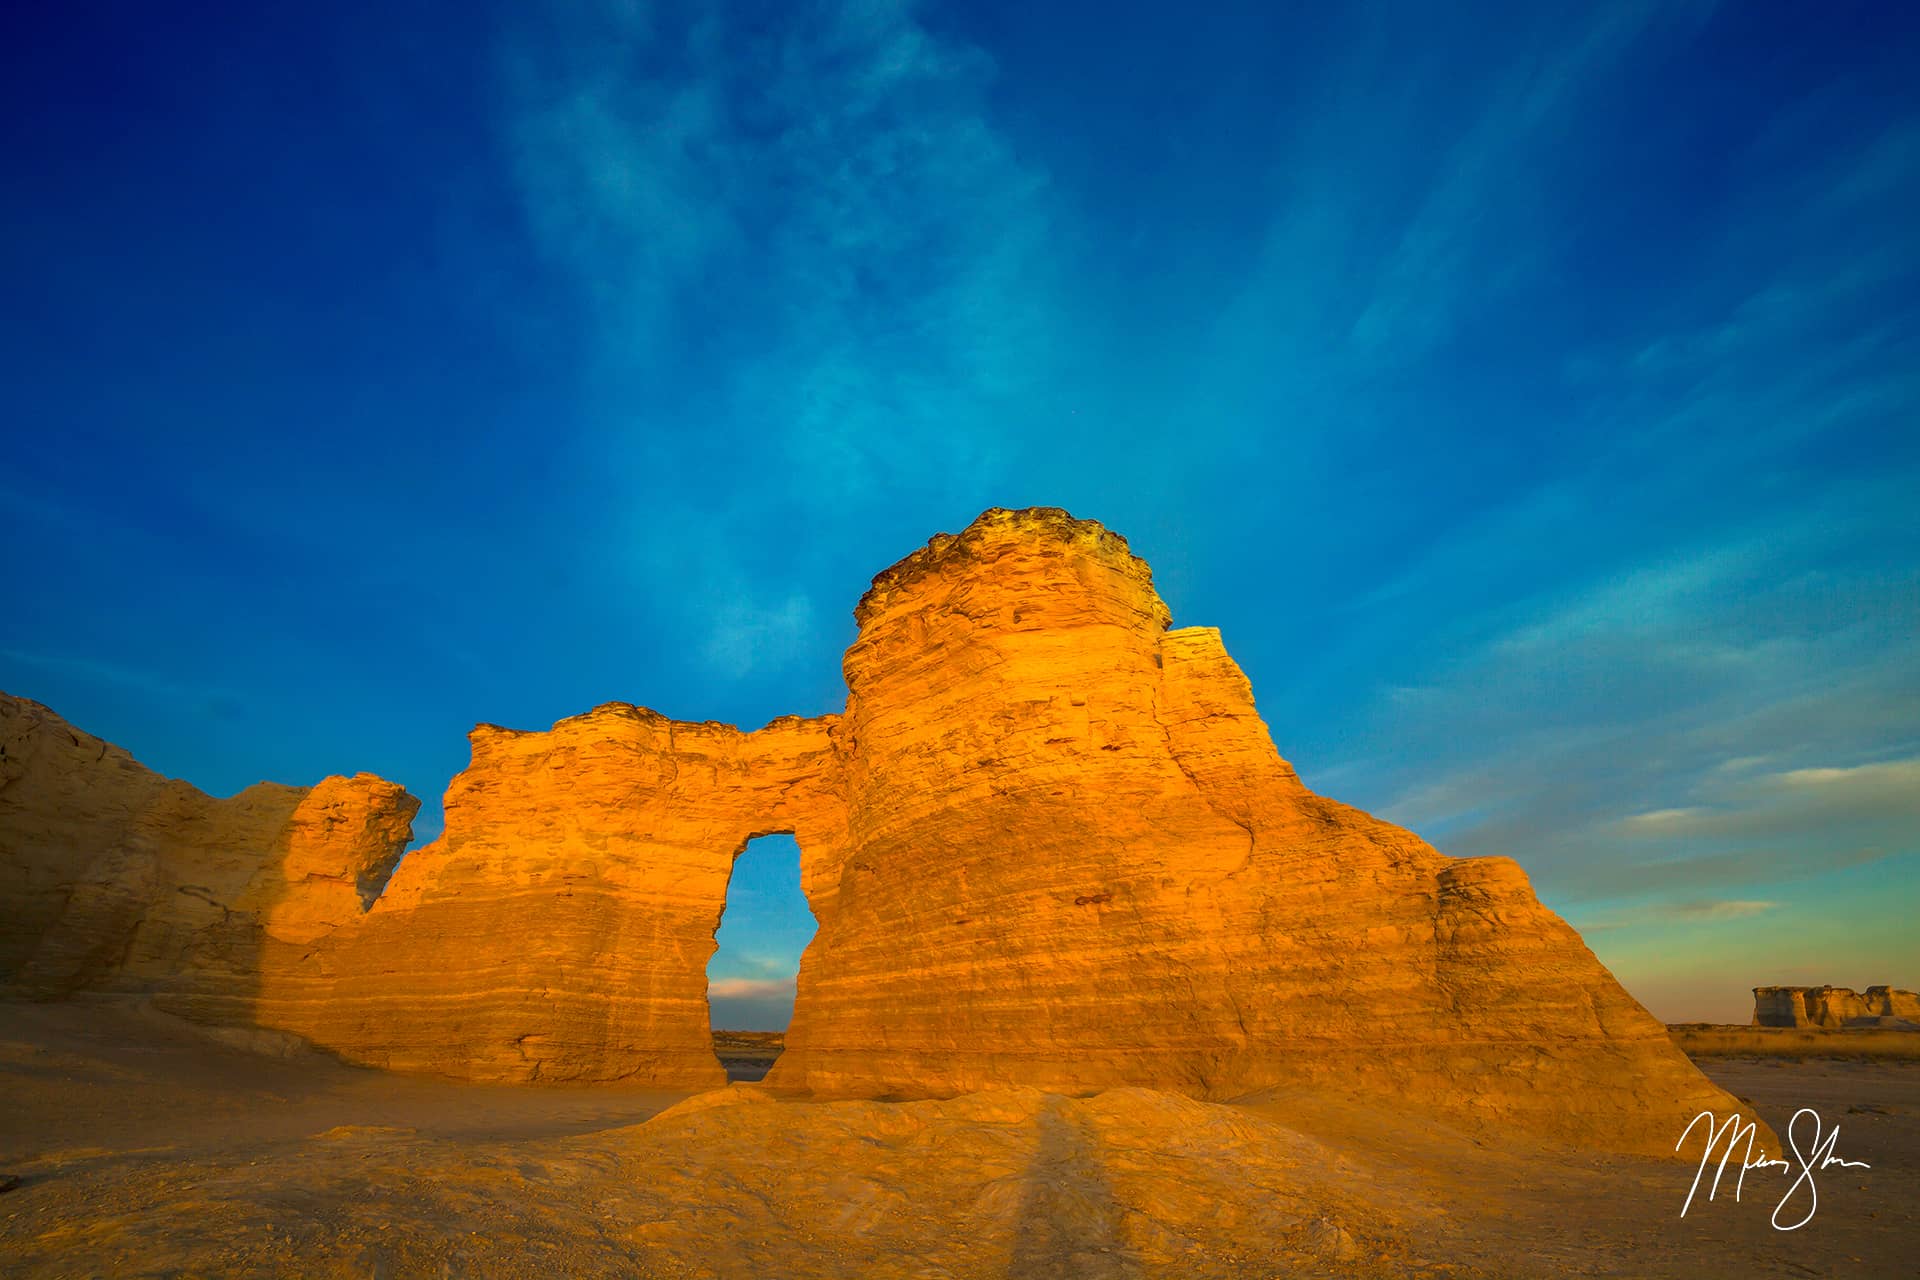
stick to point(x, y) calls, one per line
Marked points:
point(560, 929)
point(1049, 842)
point(1832, 1006)
point(1075, 860)
point(114, 878)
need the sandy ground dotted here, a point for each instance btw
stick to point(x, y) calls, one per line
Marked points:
point(143, 1149)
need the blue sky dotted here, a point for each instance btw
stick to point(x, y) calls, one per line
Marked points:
point(1527, 392)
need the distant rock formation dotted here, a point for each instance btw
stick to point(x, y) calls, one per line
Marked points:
point(1049, 843)
point(1833, 1007)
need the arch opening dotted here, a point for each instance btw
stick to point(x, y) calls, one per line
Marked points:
point(764, 927)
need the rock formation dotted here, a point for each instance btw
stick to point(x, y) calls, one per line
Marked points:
point(115, 878)
point(1075, 860)
point(560, 929)
point(1832, 1006)
point(1049, 843)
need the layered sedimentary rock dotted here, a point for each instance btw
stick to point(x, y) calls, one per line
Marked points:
point(1049, 842)
point(1831, 1006)
point(117, 879)
point(561, 927)
point(1077, 861)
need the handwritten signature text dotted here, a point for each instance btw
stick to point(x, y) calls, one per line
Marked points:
point(1818, 1155)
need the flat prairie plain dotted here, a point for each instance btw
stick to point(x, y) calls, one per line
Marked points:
point(143, 1148)
point(1710, 1040)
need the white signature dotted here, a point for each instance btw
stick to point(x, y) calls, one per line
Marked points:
point(1819, 1156)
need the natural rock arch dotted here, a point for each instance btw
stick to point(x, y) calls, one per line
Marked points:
point(1049, 842)
point(602, 849)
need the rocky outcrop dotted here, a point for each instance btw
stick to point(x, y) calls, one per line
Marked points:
point(1049, 843)
point(1832, 1006)
point(117, 879)
point(561, 927)
point(1075, 860)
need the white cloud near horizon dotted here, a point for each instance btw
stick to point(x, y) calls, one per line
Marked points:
point(1692, 912)
point(751, 988)
point(750, 1004)
point(1807, 801)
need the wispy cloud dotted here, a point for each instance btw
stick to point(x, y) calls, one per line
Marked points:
point(1615, 625)
point(809, 254)
point(1743, 714)
point(748, 635)
point(1405, 216)
point(1654, 713)
point(1691, 912)
point(1459, 251)
point(1831, 802)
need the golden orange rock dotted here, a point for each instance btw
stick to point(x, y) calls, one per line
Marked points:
point(1050, 843)
point(114, 878)
point(560, 929)
point(1076, 861)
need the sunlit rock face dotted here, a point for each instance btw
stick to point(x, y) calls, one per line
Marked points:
point(561, 927)
point(1832, 1007)
point(1048, 843)
point(1075, 860)
point(113, 878)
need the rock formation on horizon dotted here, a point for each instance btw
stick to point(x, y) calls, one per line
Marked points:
point(1049, 842)
point(1833, 1007)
